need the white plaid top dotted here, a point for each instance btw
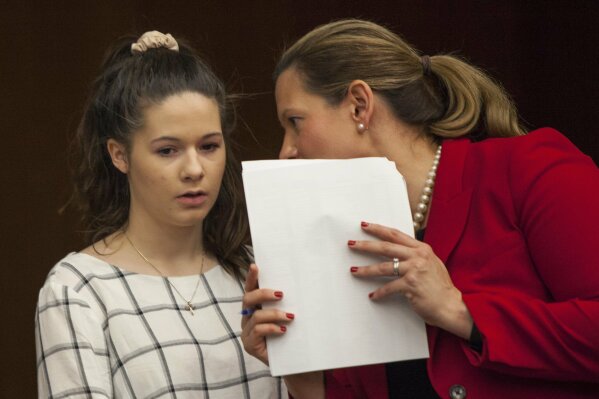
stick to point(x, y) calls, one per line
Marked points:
point(102, 332)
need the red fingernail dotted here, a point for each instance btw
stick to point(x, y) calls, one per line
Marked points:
point(353, 269)
point(283, 328)
point(364, 224)
point(290, 316)
point(351, 243)
point(370, 295)
point(279, 294)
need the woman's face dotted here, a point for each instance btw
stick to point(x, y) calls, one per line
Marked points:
point(177, 160)
point(314, 128)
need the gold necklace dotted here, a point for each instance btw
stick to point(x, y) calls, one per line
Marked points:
point(188, 303)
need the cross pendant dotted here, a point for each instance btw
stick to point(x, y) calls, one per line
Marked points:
point(190, 308)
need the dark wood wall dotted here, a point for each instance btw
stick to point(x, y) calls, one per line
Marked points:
point(545, 53)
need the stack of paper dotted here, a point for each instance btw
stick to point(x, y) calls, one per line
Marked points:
point(302, 213)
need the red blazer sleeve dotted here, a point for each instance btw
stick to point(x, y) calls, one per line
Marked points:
point(555, 194)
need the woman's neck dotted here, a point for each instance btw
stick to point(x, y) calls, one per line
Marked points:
point(412, 152)
point(172, 249)
point(165, 242)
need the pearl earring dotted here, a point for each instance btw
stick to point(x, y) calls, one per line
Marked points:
point(361, 127)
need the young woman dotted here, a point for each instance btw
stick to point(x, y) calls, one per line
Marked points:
point(506, 277)
point(151, 308)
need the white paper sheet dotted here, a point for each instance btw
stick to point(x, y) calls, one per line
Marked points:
point(302, 213)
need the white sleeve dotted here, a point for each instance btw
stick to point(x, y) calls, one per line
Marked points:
point(72, 357)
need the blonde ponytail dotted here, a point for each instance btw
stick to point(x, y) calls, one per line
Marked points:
point(473, 100)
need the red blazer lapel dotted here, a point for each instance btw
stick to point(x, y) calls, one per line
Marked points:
point(449, 208)
point(450, 202)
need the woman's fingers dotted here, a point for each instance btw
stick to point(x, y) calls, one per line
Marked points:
point(264, 322)
point(397, 286)
point(260, 324)
point(259, 296)
point(389, 234)
point(253, 300)
point(264, 330)
point(380, 269)
point(251, 280)
point(255, 296)
point(382, 248)
point(271, 316)
point(393, 244)
point(422, 278)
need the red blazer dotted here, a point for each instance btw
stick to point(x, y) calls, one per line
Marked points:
point(516, 222)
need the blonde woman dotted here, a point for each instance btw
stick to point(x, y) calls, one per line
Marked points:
point(504, 267)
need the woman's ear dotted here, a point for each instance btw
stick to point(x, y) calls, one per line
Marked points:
point(118, 154)
point(361, 99)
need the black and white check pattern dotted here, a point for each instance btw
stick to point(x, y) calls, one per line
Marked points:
point(102, 332)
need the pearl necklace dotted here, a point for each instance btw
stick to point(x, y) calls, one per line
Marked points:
point(427, 193)
point(188, 303)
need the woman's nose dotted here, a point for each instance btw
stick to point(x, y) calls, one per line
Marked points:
point(288, 148)
point(192, 168)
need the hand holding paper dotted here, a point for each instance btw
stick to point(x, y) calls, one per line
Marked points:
point(302, 213)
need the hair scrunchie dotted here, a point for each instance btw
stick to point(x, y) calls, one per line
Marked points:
point(154, 39)
point(425, 60)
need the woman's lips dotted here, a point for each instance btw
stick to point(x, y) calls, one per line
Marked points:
point(192, 199)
